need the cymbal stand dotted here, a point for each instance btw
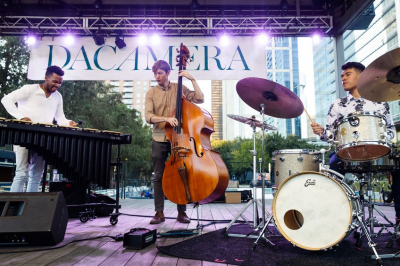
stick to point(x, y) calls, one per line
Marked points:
point(270, 218)
point(252, 202)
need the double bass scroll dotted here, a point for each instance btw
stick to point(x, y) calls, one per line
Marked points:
point(194, 172)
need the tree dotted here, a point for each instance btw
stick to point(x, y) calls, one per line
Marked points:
point(14, 56)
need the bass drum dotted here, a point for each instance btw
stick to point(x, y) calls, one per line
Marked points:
point(315, 211)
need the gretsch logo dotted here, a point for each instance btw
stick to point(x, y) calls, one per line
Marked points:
point(309, 182)
point(3, 125)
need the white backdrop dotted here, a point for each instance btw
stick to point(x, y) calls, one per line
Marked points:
point(84, 60)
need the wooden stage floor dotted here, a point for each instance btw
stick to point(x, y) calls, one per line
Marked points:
point(106, 251)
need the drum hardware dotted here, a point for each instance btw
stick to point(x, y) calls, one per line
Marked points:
point(254, 201)
point(273, 99)
point(359, 215)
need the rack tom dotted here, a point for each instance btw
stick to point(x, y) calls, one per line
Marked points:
point(289, 162)
point(361, 136)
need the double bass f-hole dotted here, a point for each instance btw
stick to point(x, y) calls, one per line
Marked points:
point(195, 147)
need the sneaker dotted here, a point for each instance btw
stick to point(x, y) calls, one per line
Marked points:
point(158, 218)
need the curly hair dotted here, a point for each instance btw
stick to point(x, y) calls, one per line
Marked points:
point(54, 69)
point(161, 64)
point(360, 67)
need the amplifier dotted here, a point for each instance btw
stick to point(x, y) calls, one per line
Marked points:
point(139, 238)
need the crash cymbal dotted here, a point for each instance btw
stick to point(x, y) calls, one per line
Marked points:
point(278, 100)
point(250, 121)
point(380, 81)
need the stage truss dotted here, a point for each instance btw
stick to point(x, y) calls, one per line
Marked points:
point(129, 20)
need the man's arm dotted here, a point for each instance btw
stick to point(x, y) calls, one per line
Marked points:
point(197, 95)
point(12, 98)
point(150, 117)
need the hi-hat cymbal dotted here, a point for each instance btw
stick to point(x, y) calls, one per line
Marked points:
point(380, 81)
point(278, 100)
point(252, 121)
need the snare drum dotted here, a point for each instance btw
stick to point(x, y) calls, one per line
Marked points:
point(315, 211)
point(361, 137)
point(289, 162)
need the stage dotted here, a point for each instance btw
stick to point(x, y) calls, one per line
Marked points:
point(106, 251)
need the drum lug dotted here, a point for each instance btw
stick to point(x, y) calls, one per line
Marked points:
point(382, 123)
point(384, 135)
point(300, 159)
point(317, 159)
point(282, 159)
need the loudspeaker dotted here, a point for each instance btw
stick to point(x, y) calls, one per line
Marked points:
point(33, 218)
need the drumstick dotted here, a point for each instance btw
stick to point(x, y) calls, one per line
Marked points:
point(309, 117)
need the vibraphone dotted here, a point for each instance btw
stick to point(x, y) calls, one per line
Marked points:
point(81, 155)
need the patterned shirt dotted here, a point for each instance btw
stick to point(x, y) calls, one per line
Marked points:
point(346, 105)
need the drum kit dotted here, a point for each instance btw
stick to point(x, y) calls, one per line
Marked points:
point(313, 207)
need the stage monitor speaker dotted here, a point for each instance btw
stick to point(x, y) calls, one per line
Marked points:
point(32, 218)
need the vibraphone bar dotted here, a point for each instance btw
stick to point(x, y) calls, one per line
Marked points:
point(81, 155)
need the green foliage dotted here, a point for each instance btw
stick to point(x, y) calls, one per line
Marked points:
point(86, 101)
point(89, 102)
point(238, 157)
point(14, 56)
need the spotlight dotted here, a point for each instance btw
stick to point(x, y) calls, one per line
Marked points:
point(224, 40)
point(119, 43)
point(155, 39)
point(284, 5)
point(31, 39)
point(142, 39)
point(263, 38)
point(97, 4)
point(194, 4)
point(99, 40)
point(69, 38)
point(316, 37)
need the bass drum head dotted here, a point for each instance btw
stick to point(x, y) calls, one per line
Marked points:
point(312, 211)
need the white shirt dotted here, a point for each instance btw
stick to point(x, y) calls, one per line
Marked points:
point(346, 105)
point(33, 103)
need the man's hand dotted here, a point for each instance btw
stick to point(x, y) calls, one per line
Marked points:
point(26, 119)
point(317, 129)
point(184, 73)
point(172, 121)
point(73, 123)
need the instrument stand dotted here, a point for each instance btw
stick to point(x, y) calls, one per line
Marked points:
point(361, 219)
point(114, 216)
point(252, 202)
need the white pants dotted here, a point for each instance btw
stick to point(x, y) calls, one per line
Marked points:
point(33, 166)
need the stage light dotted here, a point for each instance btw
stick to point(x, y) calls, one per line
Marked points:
point(316, 37)
point(284, 5)
point(194, 4)
point(31, 39)
point(142, 39)
point(99, 40)
point(120, 43)
point(97, 4)
point(263, 38)
point(69, 38)
point(224, 40)
point(155, 39)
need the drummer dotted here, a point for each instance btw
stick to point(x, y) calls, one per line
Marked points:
point(353, 102)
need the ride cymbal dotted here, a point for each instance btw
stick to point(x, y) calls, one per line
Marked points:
point(252, 120)
point(279, 101)
point(380, 81)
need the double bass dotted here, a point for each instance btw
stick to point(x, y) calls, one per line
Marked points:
point(194, 172)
